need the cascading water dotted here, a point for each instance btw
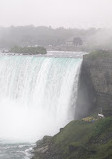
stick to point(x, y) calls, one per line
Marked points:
point(35, 95)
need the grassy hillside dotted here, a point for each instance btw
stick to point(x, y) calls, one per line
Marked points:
point(79, 140)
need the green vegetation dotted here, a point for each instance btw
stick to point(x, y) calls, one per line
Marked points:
point(82, 140)
point(30, 50)
point(41, 35)
point(56, 39)
point(99, 53)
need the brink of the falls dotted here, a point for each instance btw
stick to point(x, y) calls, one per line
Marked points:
point(36, 95)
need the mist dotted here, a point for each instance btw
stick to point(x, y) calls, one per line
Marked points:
point(54, 22)
point(101, 40)
point(56, 13)
point(30, 108)
point(55, 38)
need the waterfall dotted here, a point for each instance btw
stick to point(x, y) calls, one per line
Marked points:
point(35, 95)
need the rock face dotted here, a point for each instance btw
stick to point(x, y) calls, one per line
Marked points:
point(95, 84)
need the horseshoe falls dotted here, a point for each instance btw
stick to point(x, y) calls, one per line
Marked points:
point(37, 96)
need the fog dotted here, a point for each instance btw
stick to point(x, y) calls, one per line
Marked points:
point(102, 39)
point(55, 13)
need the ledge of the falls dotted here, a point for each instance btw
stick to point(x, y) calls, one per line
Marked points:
point(90, 136)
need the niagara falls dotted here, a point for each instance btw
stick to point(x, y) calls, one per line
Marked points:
point(56, 79)
point(37, 96)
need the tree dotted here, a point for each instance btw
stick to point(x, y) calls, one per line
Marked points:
point(77, 41)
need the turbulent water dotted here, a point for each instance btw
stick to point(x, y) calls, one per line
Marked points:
point(36, 99)
point(15, 151)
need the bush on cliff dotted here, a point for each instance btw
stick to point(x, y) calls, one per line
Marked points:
point(99, 54)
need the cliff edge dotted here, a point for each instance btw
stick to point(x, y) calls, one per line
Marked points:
point(95, 85)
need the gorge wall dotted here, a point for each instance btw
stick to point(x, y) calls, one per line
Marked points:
point(95, 85)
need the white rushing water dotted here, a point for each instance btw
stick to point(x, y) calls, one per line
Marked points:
point(35, 96)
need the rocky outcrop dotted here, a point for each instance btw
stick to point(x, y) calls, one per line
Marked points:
point(42, 148)
point(95, 84)
point(79, 140)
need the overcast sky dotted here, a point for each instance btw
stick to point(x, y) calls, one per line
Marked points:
point(56, 13)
